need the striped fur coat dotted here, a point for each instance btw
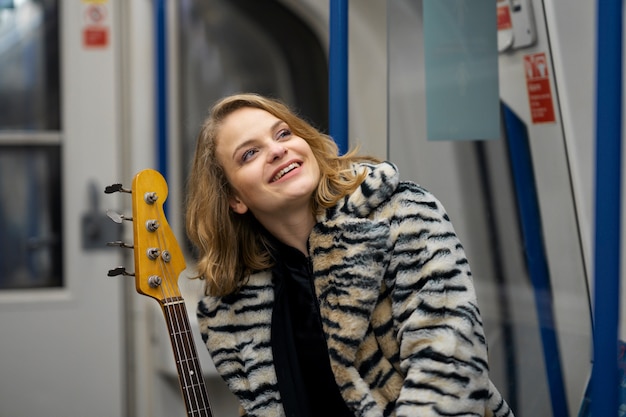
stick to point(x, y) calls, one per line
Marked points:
point(398, 308)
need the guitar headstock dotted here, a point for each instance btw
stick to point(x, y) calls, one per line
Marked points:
point(158, 258)
point(158, 264)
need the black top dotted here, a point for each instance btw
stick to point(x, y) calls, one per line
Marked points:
point(305, 380)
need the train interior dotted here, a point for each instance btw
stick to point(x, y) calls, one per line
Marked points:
point(489, 106)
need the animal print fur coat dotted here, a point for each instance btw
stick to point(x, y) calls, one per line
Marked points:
point(398, 308)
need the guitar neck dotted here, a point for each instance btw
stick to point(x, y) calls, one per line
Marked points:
point(189, 372)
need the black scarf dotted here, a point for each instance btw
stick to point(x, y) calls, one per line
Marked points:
point(305, 380)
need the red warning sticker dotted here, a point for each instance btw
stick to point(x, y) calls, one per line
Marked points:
point(504, 18)
point(538, 86)
point(95, 36)
point(95, 25)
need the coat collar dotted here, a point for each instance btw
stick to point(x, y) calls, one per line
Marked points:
point(350, 249)
point(379, 184)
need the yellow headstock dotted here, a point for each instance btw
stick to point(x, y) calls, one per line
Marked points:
point(158, 258)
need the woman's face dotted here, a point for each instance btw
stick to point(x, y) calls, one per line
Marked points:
point(272, 172)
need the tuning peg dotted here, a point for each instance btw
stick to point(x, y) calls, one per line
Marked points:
point(116, 188)
point(116, 217)
point(150, 197)
point(120, 270)
point(120, 244)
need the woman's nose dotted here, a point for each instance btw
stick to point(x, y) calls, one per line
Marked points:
point(277, 150)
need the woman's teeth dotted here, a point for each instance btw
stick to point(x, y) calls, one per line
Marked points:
point(285, 170)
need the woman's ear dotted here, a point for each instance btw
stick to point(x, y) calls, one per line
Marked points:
point(237, 205)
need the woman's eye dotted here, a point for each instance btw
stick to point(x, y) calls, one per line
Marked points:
point(248, 154)
point(283, 133)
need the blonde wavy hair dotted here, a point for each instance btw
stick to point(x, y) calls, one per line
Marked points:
point(231, 246)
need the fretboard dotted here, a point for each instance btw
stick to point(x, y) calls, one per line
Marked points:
point(189, 372)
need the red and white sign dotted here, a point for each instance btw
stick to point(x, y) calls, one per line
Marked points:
point(95, 24)
point(95, 37)
point(504, 18)
point(538, 86)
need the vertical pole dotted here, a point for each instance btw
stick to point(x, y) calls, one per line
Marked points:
point(536, 258)
point(161, 115)
point(604, 379)
point(338, 74)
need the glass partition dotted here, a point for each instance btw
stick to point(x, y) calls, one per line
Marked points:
point(538, 331)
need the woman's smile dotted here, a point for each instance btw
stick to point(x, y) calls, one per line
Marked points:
point(284, 171)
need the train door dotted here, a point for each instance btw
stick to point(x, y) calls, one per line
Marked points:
point(512, 201)
point(223, 47)
point(60, 317)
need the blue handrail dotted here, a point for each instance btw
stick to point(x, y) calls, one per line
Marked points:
point(338, 74)
point(604, 376)
point(160, 56)
point(536, 258)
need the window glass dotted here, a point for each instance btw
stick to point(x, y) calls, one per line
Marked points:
point(29, 65)
point(30, 217)
point(30, 188)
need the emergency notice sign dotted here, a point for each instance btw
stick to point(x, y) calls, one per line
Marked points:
point(95, 24)
point(538, 86)
point(504, 17)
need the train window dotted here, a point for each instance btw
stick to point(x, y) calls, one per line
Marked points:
point(30, 213)
point(29, 65)
point(30, 145)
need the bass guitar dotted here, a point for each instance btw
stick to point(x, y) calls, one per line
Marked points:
point(158, 263)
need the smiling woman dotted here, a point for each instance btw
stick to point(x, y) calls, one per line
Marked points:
point(327, 277)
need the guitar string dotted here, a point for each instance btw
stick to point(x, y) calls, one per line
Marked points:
point(175, 326)
point(193, 376)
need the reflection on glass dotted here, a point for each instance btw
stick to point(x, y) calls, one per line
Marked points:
point(481, 172)
point(223, 52)
point(30, 217)
point(29, 65)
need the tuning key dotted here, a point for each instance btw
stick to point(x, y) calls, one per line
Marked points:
point(153, 253)
point(120, 270)
point(116, 217)
point(150, 197)
point(154, 281)
point(120, 244)
point(116, 188)
point(152, 225)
